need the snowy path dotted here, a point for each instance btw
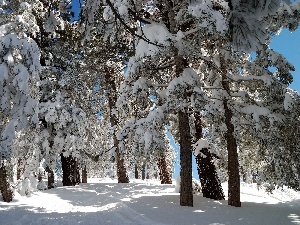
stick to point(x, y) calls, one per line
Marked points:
point(146, 203)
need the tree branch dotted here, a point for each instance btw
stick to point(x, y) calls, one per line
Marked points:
point(132, 31)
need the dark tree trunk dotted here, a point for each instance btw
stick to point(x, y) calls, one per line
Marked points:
point(186, 190)
point(70, 169)
point(143, 171)
point(7, 193)
point(76, 172)
point(210, 183)
point(185, 142)
point(112, 99)
point(84, 175)
point(148, 174)
point(164, 173)
point(50, 177)
point(121, 169)
point(136, 172)
point(233, 162)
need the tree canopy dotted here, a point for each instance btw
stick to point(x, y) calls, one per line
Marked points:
point(102, 92)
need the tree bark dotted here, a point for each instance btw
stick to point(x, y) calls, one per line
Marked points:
point(112, 99)
point(136, 172)
point(6, 192)
point(186, 190)
point(50, 177)
point(121, 169)
point(84, 175)
point(71, 175)
point(148, 172)
point(164, 173)
point(185, 142)
point(143, 171)
point(233, 163)
point(210, 183)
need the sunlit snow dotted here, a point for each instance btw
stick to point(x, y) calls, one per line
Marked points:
point(147, 203)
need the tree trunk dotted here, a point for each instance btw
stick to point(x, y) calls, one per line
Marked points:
point(121, 169)
point(136, 172)
point(244, 174)
point(50, 177)
point(164, 173)
point(7, 193)
point(84, 175)
point(233, 161)
point(76, 172)
point(112, 99)
point(148, 172)
point(185, 142)
point(143, 171)
point(70, 169)
point(186, 190)
point(210, 183)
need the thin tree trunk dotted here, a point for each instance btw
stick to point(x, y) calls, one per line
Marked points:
point(7, 193)
point(136, 172)
point(185, 142)
point(147, 172)
point(143, 171)
point(164, 173)
point(112, 99)
point(186, 190)
point(244, 174)
point(50, 177)
point(233, 163)
point(210, 183)
point(76, 172)
point(84, 175)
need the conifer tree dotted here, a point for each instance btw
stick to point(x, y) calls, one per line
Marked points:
point(20, 68)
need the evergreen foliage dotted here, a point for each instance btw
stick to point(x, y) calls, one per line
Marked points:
point(103, 93)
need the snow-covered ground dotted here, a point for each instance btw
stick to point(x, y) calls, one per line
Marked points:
point(104, 202)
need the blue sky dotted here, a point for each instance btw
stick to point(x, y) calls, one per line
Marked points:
point(288, 44)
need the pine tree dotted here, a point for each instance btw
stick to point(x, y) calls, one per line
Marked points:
point(20, 68)
point(170, 44)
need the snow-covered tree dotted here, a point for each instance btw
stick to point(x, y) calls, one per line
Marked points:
point(168, 31)
point(278, 157)
point(20, 68)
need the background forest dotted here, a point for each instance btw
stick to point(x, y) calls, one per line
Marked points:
point(100, 95)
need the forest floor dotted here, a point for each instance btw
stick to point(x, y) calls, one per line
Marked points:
point(105, 202)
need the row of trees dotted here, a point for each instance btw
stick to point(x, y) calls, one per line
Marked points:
point(201, 70)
